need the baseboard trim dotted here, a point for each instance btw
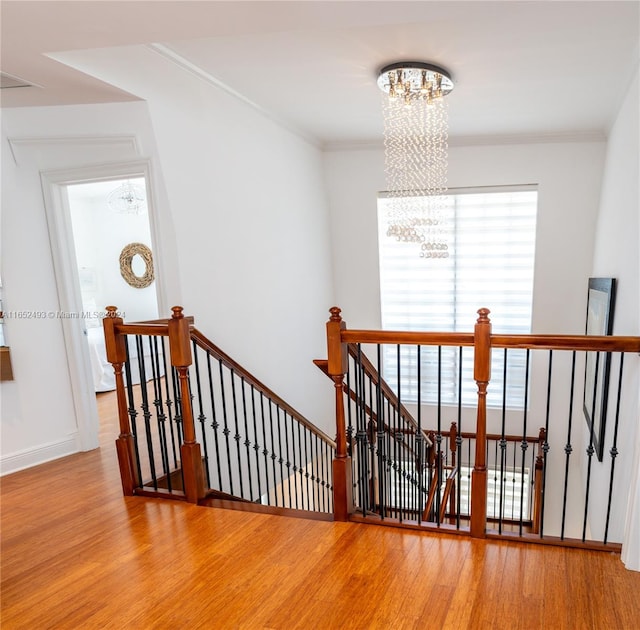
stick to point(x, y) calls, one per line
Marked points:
point(13, 462)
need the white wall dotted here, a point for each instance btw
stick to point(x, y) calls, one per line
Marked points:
point(568, 177)
point(38, 420)
point(616, 254)
point(250, 220)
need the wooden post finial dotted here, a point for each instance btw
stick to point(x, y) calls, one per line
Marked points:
point(483, 315)
point(177, 312)
point(112, 311)
point(335, 314)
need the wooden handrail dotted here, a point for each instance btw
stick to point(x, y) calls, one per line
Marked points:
point(411, 338)
point(594, 343)
point(207, 345)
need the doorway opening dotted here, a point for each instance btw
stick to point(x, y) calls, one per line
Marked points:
point(95, 214)
point(107, 219)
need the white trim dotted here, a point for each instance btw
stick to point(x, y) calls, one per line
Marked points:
point(128, 145)
point(473, 141)
point(39, 455)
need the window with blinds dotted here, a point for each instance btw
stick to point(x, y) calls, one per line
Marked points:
point(491, 236)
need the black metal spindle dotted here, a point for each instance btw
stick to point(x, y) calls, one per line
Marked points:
point(349, 418)
point(201, 415)
point(131, 408)
point(459, 439)
point(306, 435)
point(256, 445)
point(398, 437)
point(315, 480)
point(524, 444)
point(287, 453)
point(214, 422)
point(265, 450)
point(280, 458)
point(297, 466)
point(439, 437)
point(225, 421)
point(568, 449)
point(614, 450)
point(273, 453)
point(545, 445)
point(419, 436)
point(237, 437)
point(590, 450)
point(247, 440)
point(173, 426)
point(382, 468)
point(503, 441)
point(300, 466)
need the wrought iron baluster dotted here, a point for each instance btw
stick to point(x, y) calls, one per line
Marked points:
point(214, 421)
point(265, 450)
point(305, 433)
point(237, 437)
point(545, 445)
point(568, 449)
point(273, 452)
point(168, 373)
point(524, 444)
point(382, 464)
point(288, 455)
point(459, 439)
point(439, 437)
point(614, 450)
point(256, 445)
point(280, 458)
point(590, 450)
point(247, 440)
point(131, 409)
point(201, 415)
point(225, 421)
point(503, 442)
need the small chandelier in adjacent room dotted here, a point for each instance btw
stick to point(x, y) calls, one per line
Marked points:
point(127, 198)
point(415, 147)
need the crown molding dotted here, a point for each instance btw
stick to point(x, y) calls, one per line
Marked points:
point(479, 140)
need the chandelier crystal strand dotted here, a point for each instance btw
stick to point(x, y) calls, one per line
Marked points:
point(416, 147)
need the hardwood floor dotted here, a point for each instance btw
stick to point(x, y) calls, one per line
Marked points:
point(77, 554)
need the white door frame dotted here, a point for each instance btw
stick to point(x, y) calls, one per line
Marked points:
point(54, 183)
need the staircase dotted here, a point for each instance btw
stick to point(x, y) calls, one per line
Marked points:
point(200, 428)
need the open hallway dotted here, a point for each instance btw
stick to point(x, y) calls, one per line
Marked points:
point(77, 554)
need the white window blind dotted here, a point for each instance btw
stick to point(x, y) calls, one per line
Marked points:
point(491, 236)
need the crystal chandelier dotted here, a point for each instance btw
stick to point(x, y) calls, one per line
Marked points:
point(128, 198)
point(415, 148)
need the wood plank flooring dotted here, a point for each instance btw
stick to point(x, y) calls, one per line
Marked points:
point(76, 554)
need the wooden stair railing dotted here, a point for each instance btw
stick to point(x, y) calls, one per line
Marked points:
point(201, 428)
point(564, 378)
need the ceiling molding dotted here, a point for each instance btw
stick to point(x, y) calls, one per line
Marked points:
point(171, 55)
point(41, 149)
point(472, 141)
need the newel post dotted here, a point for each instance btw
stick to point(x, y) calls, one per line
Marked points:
point(337, 367)
point(116, 350)
point(482, 376)
point(180, 347)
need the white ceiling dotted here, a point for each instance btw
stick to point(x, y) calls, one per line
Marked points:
point(520, 68)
